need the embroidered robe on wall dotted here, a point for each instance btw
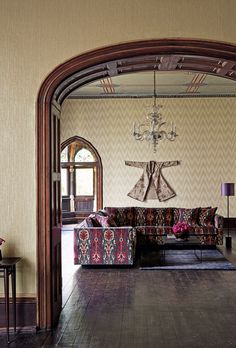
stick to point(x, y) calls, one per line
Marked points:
point(152, 184)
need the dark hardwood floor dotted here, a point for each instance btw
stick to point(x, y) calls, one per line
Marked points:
point(128, 307)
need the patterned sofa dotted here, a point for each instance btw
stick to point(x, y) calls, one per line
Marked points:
point(108, 237)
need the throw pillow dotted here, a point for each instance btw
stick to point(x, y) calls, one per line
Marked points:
point(164, 216)
point(189, 216)
point(102, 212)
point(94, 219)
point(154, 216)
point(123, 216)
point(106, 221)
point(88, 222)
point(206, 216)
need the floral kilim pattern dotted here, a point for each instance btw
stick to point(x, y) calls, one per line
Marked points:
point(152, 234)
point(122, 216)
point(105, 221)
point(208, 235)
point(190, 216)
point(115, 245)
point(206, 216)
point(153, 216)
point(105, 246)
point(218, 221)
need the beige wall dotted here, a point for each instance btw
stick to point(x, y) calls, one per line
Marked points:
point(36, 36)
point(206, 146)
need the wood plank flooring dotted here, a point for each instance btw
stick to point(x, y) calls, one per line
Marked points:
point(128, 307)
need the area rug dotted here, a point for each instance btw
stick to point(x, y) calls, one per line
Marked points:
point(212, 259)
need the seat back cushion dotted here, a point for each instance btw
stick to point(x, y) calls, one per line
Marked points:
point(154, 216)
point(90, 221)
point(122, 216)
point(105, 221)
point(190, 216)
point(207, 216)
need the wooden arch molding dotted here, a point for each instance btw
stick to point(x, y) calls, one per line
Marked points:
point(212, 57)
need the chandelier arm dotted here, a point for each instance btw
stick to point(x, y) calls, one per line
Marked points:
point(162, 135)
point(171, 137)
point(139, 137)
point(160, 125)
point(137, 133)
point(147, 135)
point(143, 125)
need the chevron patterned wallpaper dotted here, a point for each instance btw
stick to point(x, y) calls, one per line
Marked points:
point(206, 146)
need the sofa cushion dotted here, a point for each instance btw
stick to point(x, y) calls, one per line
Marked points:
point(90, 221)
point(190, 216)
point(164, 216)
point(104, 246)
point(153, 230)
point(123, 216)
point(207, 216)
point(207, 234)
point(105, 221)
point(152, 235)
point(101, 212)
point(197, 229)
point(154, 216)
point(218, 221)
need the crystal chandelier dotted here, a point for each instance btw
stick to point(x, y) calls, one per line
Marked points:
point(150, 130)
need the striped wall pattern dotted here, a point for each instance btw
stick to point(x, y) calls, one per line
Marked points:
point(206, 146)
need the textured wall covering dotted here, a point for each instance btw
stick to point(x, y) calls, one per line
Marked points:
point(206, 146)
point(36, 36)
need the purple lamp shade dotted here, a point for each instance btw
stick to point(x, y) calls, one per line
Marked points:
point(227, 189)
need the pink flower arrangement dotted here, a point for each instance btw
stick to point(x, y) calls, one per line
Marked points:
point(181, 230)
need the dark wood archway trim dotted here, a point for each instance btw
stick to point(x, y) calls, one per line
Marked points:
point(99, 61)
point(99, 165)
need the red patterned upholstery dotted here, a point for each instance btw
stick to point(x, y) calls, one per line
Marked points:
point(152, 233)
point(115, 245)
point(190, 216)
point(123, 216)
point(153, 216)
point(209, 235)
point(206, 216)
point(104, 246)
point(105, 221)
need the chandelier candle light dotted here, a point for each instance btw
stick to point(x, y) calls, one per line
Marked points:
point(150, 130)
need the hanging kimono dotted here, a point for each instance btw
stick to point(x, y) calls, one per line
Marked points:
point(152, 184)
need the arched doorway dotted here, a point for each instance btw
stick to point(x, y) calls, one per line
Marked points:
point(210, 57)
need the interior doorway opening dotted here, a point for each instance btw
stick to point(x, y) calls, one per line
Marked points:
point(215, 58)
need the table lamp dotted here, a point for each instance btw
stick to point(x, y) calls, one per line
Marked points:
point(227, 189)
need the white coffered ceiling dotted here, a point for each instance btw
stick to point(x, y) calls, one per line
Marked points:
point(168, 84)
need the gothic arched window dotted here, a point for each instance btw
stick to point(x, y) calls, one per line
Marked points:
point(81, 179)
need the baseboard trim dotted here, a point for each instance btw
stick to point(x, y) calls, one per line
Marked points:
point(25, 329)
point(26, 311)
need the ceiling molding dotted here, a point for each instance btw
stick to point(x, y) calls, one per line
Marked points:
point(204, 65)
point(159, 97)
